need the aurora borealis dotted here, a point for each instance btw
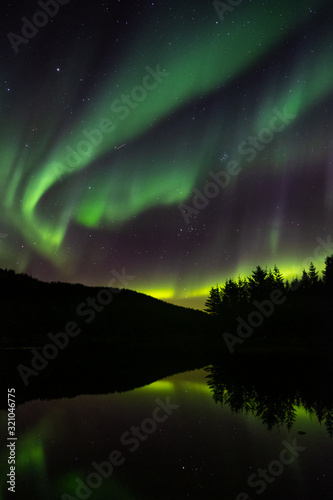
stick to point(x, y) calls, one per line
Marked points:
point(114, 116)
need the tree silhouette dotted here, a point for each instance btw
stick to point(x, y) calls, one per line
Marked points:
point(313, 275)
point(305, 305)
point(213, 303)
point(229, 293)
point(328, 272)
point(295, 284)
point(305, 280)
point(278, 279)
point(234, 293)
point(259, 284)
point(243, 292)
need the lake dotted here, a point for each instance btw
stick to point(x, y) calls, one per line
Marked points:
point(167, 440)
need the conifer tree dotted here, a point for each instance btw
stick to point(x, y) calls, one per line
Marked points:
point(313, 275)
point(295, 284)
point(243, 294)
point(328, 272)
point(259, 283)
point(278, 278)
point(213, 303)
point(305, 280)
point(229, 293)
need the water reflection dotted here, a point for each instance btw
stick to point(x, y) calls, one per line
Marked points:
point(275, 389)
point(271, 388)
point(199, 451)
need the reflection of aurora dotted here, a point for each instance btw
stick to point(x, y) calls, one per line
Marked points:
point(273, 412)
point(72, 433)
point(168, 386)
point(31, 461)
point(127, 199)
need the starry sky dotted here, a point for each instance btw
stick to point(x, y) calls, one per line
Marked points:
point(184, 142)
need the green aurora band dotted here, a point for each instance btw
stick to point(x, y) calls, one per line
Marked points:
point(126, 188)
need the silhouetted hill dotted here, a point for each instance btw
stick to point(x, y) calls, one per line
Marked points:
point(30, 309)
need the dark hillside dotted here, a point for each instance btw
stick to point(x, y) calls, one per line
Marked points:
point(30, 309)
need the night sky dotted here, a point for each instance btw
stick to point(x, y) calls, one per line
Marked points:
point(171, 139)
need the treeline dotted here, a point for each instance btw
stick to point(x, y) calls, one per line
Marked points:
point(237, 293)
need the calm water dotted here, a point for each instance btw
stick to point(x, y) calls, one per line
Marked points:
point(167, 440)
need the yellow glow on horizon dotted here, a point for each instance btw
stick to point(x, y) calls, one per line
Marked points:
point(200, 292)
point(289, 269)
point(162, 294)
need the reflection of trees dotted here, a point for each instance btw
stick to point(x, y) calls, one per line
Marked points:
point(271, 395)
point(323, 412)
